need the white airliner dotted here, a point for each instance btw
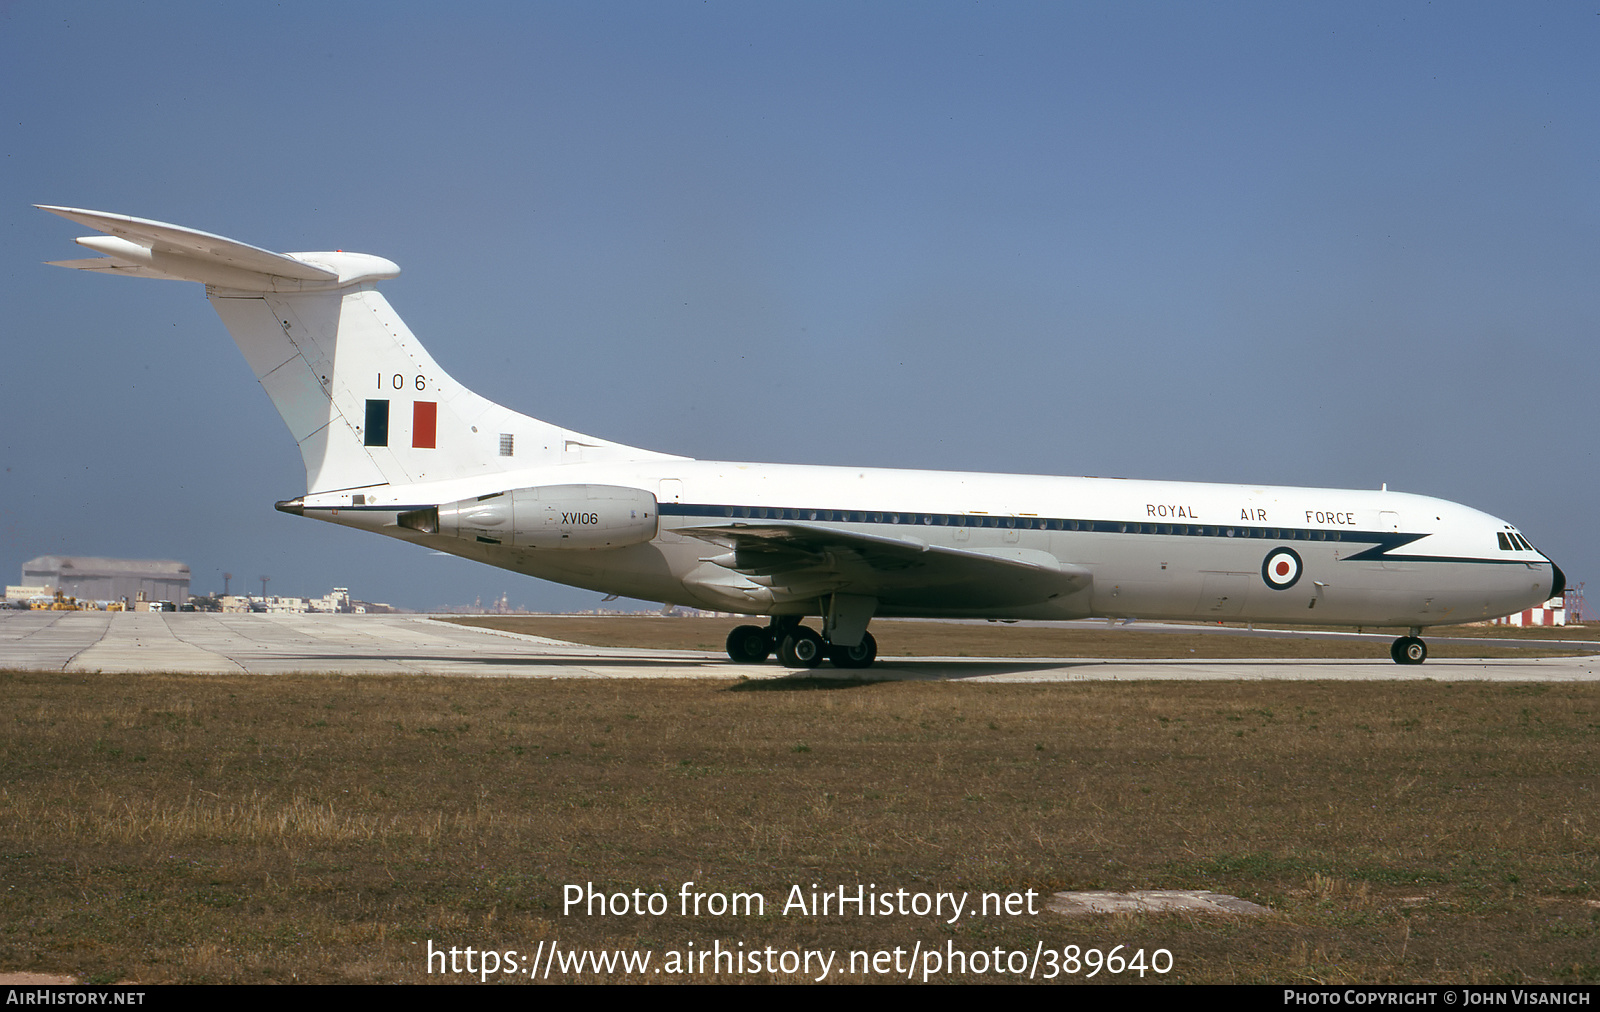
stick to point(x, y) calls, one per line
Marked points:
point(392, 444)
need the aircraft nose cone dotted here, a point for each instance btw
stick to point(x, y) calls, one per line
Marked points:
point(1558, 581)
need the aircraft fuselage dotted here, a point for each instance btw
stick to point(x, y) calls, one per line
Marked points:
point(1155, 549)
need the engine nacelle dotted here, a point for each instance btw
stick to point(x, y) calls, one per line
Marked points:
point(546, 516)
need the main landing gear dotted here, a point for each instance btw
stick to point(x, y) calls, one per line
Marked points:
point(797, 646)
point(1409, 649)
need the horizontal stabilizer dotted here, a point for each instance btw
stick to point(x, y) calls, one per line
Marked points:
point(106, 265)
point(140, 247)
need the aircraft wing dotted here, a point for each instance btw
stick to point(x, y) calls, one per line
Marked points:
point(796, 561)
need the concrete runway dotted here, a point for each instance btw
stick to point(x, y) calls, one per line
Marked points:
point(202, 643)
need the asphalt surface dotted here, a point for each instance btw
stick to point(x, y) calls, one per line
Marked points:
point(201, 643)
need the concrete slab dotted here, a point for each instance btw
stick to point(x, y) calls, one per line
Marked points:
point(48, 640)
point(204, 643)
point(145, 641)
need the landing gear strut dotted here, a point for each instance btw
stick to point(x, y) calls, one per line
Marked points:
point(1409, 649)
point(797, 646)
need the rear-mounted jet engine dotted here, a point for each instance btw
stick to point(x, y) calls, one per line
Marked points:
point(547, 516)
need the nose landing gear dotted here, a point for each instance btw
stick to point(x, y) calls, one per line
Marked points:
point(1409, 649)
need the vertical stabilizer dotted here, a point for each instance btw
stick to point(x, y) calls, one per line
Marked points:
point(363, 399)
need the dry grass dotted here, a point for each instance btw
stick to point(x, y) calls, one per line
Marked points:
point(169, 828)
point(959, 639)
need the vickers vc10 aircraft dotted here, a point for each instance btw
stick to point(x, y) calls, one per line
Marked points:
point(392, 444)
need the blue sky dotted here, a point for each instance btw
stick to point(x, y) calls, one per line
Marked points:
point(1304, 244)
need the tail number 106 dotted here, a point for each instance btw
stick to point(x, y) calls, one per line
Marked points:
point(398, 382)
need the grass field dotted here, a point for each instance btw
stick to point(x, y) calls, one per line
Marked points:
point(306, 828)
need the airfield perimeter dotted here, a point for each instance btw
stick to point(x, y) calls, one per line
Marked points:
point(198, 643)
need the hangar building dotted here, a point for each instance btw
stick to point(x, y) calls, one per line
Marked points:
point(91, 579)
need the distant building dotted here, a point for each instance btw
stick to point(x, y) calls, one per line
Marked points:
point(92, 579)
point(338, 602)
point(1554, 612)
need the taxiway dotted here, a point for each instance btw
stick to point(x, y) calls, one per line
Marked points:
point(204, 643)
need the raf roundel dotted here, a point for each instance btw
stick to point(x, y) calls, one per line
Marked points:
point(1281, 569)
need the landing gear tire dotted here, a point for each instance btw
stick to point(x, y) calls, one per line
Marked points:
point(749, 644)
point(1408, 650)
point(802, 648)
point(859, 656)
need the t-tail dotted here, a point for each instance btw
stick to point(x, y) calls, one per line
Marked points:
point(363, 399)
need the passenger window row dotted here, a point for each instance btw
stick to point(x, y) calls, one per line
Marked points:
point(1006, 522)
